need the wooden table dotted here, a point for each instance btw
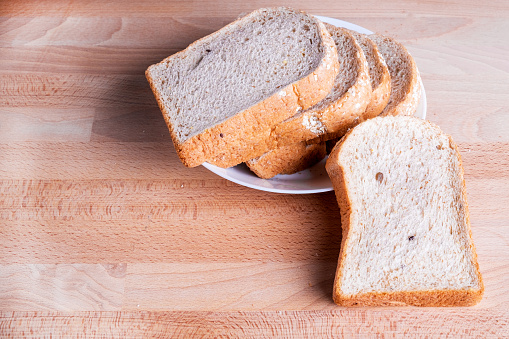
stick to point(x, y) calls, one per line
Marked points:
point(104, 232)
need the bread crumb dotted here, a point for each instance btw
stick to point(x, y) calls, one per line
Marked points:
point(313, 124)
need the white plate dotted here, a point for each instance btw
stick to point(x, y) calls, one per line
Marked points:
point(311, 180)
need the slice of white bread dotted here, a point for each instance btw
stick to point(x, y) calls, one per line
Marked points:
point(288, 159)
point(343, 107)
point(405, 78)
point(406, 231)
point(346, 101)
point(222, 95)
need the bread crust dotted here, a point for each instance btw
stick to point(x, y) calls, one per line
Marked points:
point(437, 298)
point(346, 111)
point(381, 93)
point(379, 98)
point(246, 135)
point(287, 160)
point(410, 100)
point(467, 297)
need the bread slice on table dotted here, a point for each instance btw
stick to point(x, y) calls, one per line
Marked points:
point(222, 95)
point(405, 79)
point(288, 159)
point(341, 109)
point(406, 231)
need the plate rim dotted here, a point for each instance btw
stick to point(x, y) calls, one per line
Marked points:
point(218, 171)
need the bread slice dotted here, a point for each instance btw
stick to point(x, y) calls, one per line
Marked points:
point(405, 82)
point(343, 108)
point(345, 102)
point(288, 159)
point(405, 79)
point(380, 79)
point(406, 230)
point(379, 76)
point(222, 95)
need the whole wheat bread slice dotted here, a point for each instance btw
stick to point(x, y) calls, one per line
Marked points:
point(222, 95)
point(406, 230)
point(405, 78)
point(343, 107)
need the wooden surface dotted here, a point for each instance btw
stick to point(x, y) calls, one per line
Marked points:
point(104, 232)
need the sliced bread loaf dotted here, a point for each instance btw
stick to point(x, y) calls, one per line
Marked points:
point(380, 84)
point(379, 76)
point(345, 102)
point(405, 78)
point(287, 159)
point(222, 96)
point(380, 81)
point(340, 110)
point(406, 230)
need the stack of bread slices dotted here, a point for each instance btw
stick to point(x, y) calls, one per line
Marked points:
point(276, 81)
point(377, 76)
point(274, 88)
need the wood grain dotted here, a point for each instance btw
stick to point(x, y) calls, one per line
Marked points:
point(64, 287)
point(154, 8)
point(224, 286)
point(104, 233)
point(473, 323)
point(304, 285)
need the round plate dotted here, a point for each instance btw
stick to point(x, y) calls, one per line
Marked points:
point(311, 180)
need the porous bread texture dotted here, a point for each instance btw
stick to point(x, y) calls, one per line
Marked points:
point(406, 230)
point(379, 76)
point(380, 84)
point(287, 160)
point(340, 110)
point(344, 103)
point(222, 95)
point(405, 78)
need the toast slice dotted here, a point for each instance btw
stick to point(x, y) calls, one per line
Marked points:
point(405, 78)
point(222, 95)
point(288, 159)
point(406, 231)
point(342, 108)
